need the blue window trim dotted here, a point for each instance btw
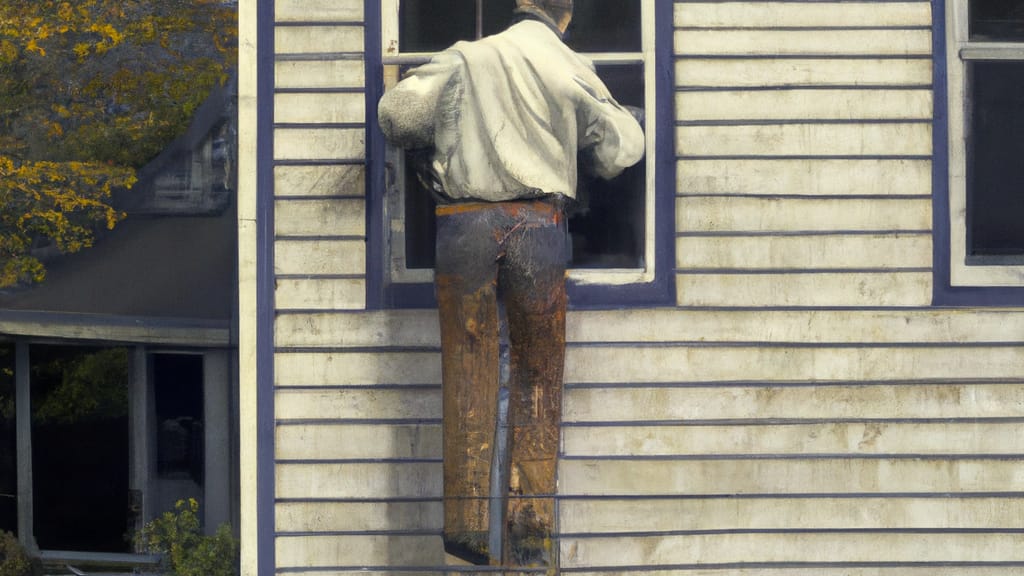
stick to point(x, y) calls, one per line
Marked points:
point(943, 293)
point(265, 468)
point(659, 291)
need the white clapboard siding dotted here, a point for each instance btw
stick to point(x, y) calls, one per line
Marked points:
point(419, 328)
point(379, 328)
point(320, 293)
point(357, 368)
point(782, 548)
point(839, 402)
point(817, 177)
point(358, 480)
point(319, 74)
point(319, 143)
point(317, 217)
point(718, 476)
point(800, 14)
point(817, 570)
point(344, 180)
point(835, 139)
point(868, 288)
point(752, 214)
point(672, 363)
point(805, 104)
point(370, 404)
point(319, 257)
point(311, 440)
point(836, 42)
point(358, 550)
point(764, 73)
point(358, 441)
point(358, 516)
point(323, 39)
point(319, 108)
point(825, 512)
point(318, 10)
point(762, 427)
point(361, 571)
point(804, 251)
point(864, 438)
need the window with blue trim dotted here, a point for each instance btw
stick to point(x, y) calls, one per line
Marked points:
point(621, 229)
point(985, 71)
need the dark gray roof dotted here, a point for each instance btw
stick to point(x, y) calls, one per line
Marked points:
point(174, 256)
point(179, 267)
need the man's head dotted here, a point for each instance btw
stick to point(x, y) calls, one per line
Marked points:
point(559, 12)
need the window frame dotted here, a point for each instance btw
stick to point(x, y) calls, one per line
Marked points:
point(390, 285)
point(958, 53)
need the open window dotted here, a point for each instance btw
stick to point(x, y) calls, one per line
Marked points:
point(614, 225)
point(985, 60)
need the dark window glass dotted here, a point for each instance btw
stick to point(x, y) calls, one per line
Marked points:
point(605, 26)
point(995, 173)
point(80, 448)
point(607, 226)
point(992, 20)
point(420, 222)
point(178, 395)
point(597, 25)
point(497, 15)
point(8, 443)
point(433, 25)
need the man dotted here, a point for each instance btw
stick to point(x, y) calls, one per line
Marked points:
point(503, 120)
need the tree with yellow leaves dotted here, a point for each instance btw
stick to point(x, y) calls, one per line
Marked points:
point(90, 91)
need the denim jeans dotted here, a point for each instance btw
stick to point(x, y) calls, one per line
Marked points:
point(515, 253)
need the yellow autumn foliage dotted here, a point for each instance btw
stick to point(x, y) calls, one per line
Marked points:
point(90, 91)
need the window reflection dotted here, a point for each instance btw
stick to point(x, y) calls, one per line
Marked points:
point(995, 187)
point(80, 447)
point(995, 20)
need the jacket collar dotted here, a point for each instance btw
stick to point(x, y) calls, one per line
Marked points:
point(523, 15)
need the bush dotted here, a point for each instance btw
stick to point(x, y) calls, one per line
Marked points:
point(14, 560)
point(186, 551)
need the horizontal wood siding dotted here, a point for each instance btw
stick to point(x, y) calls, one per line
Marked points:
point(801, 411)
point(804, 143)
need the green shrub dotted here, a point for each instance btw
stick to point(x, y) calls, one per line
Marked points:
point(186, 551)
point(14, 560)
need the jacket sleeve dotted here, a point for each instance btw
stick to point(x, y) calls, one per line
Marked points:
point(407, 112)
point(609, 134)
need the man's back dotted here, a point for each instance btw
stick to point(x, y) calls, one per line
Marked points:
point(507, 114)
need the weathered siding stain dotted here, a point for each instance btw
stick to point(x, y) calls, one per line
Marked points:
point(802, 410)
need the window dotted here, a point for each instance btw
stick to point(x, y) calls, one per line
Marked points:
point(80, 456)
point(985, 59)
point(616, 225)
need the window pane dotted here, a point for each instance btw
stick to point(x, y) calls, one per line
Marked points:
point(497, 15)
point(605, 26)
point(178, 396)
point(420, 221)
point(608, 226)
point(996, 159)
point(597, 25)
point(433, 25)
point(80, 447)
point(996, 20)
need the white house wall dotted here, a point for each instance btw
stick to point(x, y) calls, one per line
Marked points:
point(801, 410)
